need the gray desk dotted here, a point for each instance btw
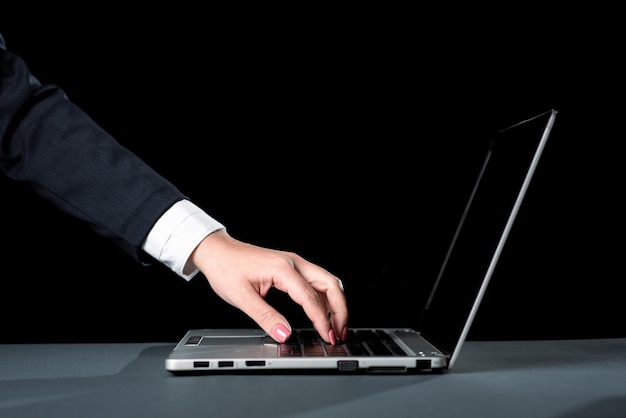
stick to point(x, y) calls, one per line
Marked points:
point(581, 378)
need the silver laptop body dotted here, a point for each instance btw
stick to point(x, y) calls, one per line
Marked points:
point(441, 329)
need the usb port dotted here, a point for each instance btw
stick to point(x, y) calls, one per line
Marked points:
point(201, 364)
point(226, 364)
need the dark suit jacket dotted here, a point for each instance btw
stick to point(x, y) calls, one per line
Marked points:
point(52, 145)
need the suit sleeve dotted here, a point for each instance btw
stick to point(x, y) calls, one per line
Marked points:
point(49, 143)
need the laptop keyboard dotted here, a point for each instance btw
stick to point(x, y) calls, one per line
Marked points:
point(358, 343)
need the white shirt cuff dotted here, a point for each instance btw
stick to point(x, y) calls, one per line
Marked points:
point(177, 233)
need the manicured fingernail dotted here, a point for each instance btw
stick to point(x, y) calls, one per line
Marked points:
point(344, 334)
point(281, 333)
point(331, 336)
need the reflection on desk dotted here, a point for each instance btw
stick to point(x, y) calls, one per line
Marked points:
point(562, 378)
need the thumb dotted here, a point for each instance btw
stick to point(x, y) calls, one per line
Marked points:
point(268, 318)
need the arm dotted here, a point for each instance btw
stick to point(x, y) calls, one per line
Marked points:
point(49, 143)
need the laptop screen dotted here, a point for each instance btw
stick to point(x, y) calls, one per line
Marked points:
point(484, 225)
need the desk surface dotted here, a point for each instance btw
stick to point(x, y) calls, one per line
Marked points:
point(561, 378)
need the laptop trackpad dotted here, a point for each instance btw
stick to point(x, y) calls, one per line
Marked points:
point(236, 341)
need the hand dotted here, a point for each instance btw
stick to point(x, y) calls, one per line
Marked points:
point(242, 274)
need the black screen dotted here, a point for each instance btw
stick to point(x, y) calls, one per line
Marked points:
point(479, 239)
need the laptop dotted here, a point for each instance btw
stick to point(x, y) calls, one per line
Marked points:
point(442, 326)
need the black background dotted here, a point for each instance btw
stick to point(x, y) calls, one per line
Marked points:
point(350, 139)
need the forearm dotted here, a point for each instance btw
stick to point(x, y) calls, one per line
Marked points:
point(49, 143)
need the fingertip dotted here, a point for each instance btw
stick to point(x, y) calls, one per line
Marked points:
point(281, 333)
point(332, 337)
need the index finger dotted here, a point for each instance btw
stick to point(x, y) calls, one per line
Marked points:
point(322, 294)
point(337, 307)
point(304, 294)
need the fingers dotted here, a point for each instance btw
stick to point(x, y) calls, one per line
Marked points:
point(318, 293)
point(336, 304)
point(321, 296)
